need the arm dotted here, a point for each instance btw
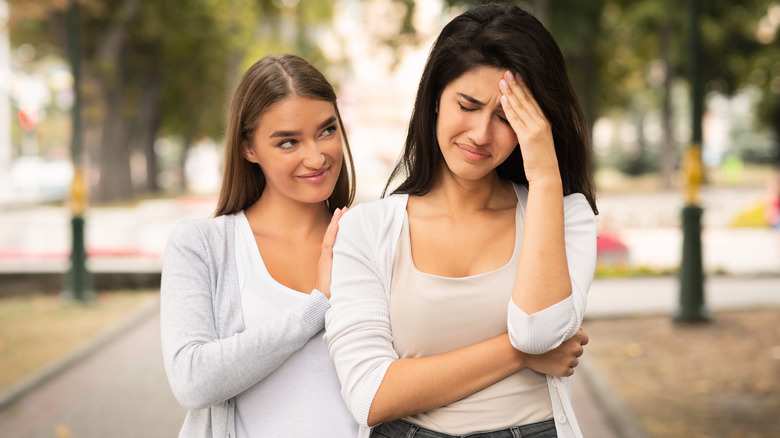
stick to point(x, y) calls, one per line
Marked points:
point(558, 257)
point(378, 386)
point(203, 367)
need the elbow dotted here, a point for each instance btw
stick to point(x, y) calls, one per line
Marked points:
point(531, 346)
point(373, 420)
point(191, 396)
point(378, 416)
point(543, 331)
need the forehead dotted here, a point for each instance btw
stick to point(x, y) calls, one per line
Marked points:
point(295, 106)
point(480, 79)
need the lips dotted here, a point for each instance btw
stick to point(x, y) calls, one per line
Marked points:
point(472, 153)
point(315, 177)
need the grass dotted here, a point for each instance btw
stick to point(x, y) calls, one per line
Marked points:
point(36, 330)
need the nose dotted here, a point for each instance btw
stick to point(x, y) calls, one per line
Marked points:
point(313, 158)
point(481, 132)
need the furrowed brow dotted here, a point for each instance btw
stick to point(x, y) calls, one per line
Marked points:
point(471, 99)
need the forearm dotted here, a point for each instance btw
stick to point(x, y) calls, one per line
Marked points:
point(542, 275)
point(546, 329)
point(415, 385)
point(204, 370)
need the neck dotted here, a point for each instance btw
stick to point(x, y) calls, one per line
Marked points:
point(272, 215)
point(467, 196)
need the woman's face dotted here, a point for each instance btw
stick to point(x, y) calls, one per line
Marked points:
point(473, 134)
point(298, 146)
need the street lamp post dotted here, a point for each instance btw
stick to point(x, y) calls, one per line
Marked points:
point(78, 280)
point(692, 307)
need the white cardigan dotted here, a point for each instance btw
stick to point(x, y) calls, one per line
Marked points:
point(358, 332)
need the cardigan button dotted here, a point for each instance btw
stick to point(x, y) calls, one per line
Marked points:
point(561, 418)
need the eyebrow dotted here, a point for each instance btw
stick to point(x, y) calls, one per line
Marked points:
point(478, 102)
point(327, 122)
point(471, 99)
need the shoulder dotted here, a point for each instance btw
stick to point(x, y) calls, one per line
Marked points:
point(209, 231)
point(379, 213)
point(576, 205)
point(374, 224)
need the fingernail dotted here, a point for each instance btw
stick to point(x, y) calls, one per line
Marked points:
point(508, 75)
point(503, 84)
point(504, 100)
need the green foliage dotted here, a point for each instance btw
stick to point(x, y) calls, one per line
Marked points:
point(168, 66)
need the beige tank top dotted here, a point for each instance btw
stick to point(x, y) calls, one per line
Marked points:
point(430, 314)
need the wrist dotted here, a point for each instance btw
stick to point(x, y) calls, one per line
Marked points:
point(550, 181)
point(518, 359)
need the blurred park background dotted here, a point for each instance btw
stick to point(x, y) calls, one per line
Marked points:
point(155, 82)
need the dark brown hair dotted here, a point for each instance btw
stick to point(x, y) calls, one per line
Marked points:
point(267, 82)
point(504, 37)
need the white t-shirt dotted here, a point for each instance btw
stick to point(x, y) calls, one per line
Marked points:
point(302, 397)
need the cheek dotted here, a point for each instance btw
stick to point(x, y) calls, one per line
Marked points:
point(335, 150)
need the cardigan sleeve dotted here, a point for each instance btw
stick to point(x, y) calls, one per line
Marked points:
point(357, 326)
point(547, 329)
point(203, 367)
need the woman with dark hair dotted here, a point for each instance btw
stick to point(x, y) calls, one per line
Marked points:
point(244, 294)
point(458, 299)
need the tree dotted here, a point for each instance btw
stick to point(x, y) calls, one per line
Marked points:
point(162, 66)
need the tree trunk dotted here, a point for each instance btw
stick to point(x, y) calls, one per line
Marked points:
point(668, 149)
point(115, 181)
point(148, 125)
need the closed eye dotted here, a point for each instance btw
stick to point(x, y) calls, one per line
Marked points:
point(463, 108)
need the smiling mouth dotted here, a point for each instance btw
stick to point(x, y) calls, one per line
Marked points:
point(317, 176)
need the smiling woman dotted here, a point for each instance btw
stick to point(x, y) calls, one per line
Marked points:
point(299, 147)
point(244, 294)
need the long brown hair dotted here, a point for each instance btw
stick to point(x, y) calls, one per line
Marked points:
point(268, 81)
point(504, 37)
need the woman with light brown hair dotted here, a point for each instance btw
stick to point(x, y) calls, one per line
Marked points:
point(244, 294)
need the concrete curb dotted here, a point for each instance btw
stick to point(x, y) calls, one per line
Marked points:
point(18, 390)
point(615, 411)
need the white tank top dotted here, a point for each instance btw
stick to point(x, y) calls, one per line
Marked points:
point(301, 398)
point(430, 314)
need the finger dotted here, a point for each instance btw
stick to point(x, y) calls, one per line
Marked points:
point(516, 82)
point(517, 97)
point(333, 227)
point(512, 104)
point(515, 117)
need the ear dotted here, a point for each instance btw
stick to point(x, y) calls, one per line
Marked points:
point(248, 152)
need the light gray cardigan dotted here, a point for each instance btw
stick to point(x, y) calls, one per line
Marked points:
point(209, 357)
